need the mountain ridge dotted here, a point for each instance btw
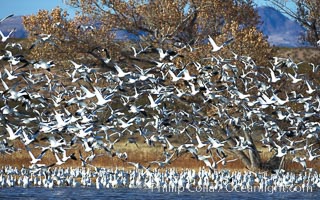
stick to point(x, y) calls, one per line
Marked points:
point(280, 30)
point(14, 22)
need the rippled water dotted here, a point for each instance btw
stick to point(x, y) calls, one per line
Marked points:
point(92, 193)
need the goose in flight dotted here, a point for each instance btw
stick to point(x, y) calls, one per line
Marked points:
point(174, 77)
point(59, 161)
point(36, 160)
point(6, 18)
point(12, 135)
point(101, 100)
point(10, 76)
point(137, 165)
point(44, 65)
point(294, 78)
point(162, 54)
point(14, 45)
point(88, 94)
point(273, 78)
point(121, 73)
point(162, 164)
point(154, 103)
point(200, 143)
point(43, 38)
point(136, 53)
point(215, 47)
point(5, 38)
point(312, 156)
point(310, 89)
point(300, 160)
point(281, 150)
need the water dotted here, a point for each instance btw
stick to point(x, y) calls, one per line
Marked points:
point(125, 193)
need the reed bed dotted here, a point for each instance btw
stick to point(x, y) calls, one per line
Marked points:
point(142, 154)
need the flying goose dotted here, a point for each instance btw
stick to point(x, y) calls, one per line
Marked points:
point(5, 38)
point(121, 73)
point(12, 135)
point(155, 103)
point(44, 65)
point(35, 160)
point(215, 47)
point(3, 19)
point(101, 100)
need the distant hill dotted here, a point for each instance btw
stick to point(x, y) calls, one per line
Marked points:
point(11, 23)
point(281, 30)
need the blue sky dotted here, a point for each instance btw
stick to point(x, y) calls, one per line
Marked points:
point(27, 7)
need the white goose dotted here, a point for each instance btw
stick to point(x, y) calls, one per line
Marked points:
point(154, 103)
point(200, 143)
point(44, 65)
point(215, 47)
point(121, 73)
point(12, 135)
point(10, 75)
point(186, 75)
point(310, 89)
point(294, 78)
point(174, 77)
point(162, 54)
point(273, 78)
point(35, 160)
point(5, 38)
point(101, 101)
point(88, 94)
point(59, 161)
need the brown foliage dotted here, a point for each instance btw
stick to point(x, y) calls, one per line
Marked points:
point(164, 23)
point(68, 39)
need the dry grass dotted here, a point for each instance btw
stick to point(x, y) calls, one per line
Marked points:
point(142, 154)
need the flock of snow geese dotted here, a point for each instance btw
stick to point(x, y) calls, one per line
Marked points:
point(168, 180)
point(276, 105)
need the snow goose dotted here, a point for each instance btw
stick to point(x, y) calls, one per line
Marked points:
point(101, 101)
point(121, 73)
point(5, 38)
point(12, 135)
point(3, 19)
point(215, 47)
point(35, 160)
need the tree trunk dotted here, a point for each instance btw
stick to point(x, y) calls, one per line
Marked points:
point(240, 154)
point(253, 153)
